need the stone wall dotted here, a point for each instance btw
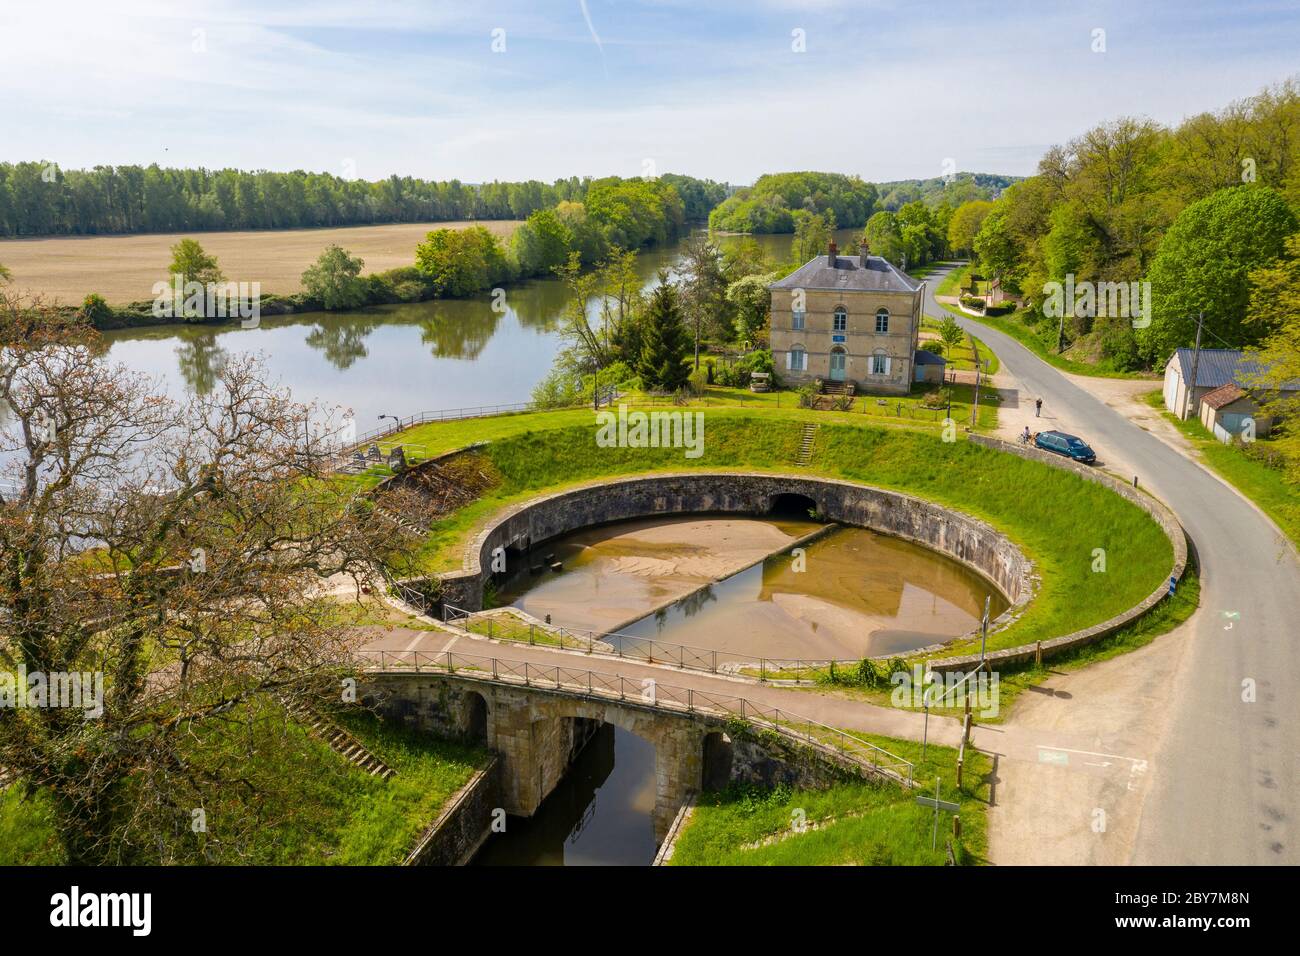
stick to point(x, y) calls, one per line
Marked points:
point(967, 539)
point(1162, 515)
point(463, 825)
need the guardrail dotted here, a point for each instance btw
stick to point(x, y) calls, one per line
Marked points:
point(648, 692)
point(682, 656)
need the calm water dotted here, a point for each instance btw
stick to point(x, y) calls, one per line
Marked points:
point(600, 814)
point(860, 593)
point(391, 360)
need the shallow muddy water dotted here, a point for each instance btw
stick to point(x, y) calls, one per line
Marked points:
point(859, 593)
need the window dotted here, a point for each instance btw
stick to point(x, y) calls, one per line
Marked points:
point(796, 319)
point(796, 360)
point(880, 364)
point(882, 320)
point(841, 319)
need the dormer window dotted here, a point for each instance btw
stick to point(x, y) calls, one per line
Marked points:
point(841, 320)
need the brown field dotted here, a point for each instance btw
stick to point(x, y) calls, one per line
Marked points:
point(124, 268)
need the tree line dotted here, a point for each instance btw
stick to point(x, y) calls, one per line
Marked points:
point(1195, 209)
point(41, 199)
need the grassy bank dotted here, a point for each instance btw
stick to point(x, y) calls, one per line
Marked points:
point(850, 824)
point(1055, 517)
point(1263, 485)
point(312, 806)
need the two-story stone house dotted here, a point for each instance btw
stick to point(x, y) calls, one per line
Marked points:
point(847, 319)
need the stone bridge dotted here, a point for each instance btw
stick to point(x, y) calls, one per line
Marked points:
point(538, 730)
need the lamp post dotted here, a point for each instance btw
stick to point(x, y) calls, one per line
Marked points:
point(396, 420)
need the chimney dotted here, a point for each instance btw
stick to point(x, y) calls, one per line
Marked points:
point(865, 251)
point(830, 255)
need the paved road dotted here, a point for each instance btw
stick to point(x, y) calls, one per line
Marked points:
point(1225, 784)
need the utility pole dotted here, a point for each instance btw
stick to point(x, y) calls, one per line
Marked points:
point(1196, 361)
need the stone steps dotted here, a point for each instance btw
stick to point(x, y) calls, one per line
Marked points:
point(806, 444)
point(340, 741)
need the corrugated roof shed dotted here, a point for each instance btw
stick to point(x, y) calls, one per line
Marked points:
point(1223, 395)
point(1218, 367)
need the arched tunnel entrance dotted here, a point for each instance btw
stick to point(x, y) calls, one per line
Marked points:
point(789, 505)
point(476, 718)
point(716, 759)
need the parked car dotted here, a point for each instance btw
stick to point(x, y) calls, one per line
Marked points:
point(1067, 445)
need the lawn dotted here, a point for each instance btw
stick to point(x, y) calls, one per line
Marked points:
point(312, 806)
point(1265, 486)
point(1055, 517)
point(858, 823)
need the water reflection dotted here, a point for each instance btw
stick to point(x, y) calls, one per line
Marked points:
point(600, 813)
point(399, 359)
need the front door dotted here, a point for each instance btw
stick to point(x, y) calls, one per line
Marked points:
point(837, 365)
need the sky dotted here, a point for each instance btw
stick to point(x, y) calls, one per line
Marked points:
point(540, 89)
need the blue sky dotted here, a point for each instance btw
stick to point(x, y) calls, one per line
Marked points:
point(713, 88)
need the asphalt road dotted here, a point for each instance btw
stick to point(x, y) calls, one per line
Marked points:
point(1225, 784)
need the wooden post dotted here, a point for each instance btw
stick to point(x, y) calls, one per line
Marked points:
point(956, 827)
point(960, 761)
point(1038, 654)
point(965, 738)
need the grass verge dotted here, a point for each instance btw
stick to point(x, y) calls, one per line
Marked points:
point(859, 823)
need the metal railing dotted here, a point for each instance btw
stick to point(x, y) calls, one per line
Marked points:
point(506, 627)
point(646, 692)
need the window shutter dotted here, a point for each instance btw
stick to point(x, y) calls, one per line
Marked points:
point(887, 361)
point(789, 358)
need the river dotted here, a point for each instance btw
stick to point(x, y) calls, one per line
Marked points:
point(393, 360)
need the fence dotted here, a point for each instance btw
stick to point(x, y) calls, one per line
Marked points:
point(647, 692)
point(507, 627)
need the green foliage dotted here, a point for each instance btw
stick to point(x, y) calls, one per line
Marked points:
point(699, 379)
point(752, 302)
point(769, 205)
point(885, 237)
point(460, 262)
point(541, 244)
point(809, 393)
point(950, 333)
point(666, 341)
point(1204, 263)
point(192, 264)
point(95, 310)
point(335, 280)
point(965, 225)
point(631, 213)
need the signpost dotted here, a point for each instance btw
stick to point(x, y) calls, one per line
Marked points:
point(938, 805)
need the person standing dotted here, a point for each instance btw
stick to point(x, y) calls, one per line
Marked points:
point(1038, 408)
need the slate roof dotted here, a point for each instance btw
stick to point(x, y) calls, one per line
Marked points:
point(926, 357)
point(1218, 367)
point(878, 275)
point(1223, 395)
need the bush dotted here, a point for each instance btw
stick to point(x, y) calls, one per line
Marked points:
point(932, 346)
point(809, 393)
point(699, 380)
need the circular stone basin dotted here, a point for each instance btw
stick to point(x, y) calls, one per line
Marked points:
point(728, 583)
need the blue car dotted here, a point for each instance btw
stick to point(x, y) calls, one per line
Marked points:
point(1067, 445)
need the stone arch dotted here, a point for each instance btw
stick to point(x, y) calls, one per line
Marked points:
point(476, 717)
point(716, 755)
point(792, 505)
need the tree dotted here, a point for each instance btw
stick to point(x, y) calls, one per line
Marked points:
point(335, 280)
point(1275, 314)
point(182, 552)
point(192, 264)
point(752, 302)
point(950, 333)
point(663, 357)
point(965, 225)
point(460, 262)
point(704, 291)
point(5, 274)
point(812, 235)
point(541, 244)
point(1204, 263)
point(885, 237)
